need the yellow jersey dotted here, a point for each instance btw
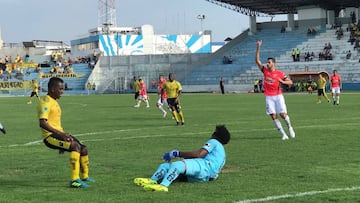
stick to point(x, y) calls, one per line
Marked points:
point(137, 85)
point(172, 88)
point(49, 109)
point(35, 87)
point(321, 83)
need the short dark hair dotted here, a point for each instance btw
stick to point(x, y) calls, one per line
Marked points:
point(54, 81)
point(271, 58)
point(221, 134)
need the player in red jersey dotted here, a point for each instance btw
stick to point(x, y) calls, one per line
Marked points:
point(336, 86)
point(275, 102)
point(142, 95)
point(162, 101)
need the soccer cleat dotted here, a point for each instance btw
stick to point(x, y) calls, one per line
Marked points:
point(328, 101)
point(88, 179)
point(29, 102)
point(319, 102)
point(177, 123)
point(164, 115)
point(144, 181)
point(334, 102)
point(3, 130)
point(156, 187)
point(137, 106)
point(292, 132)
point(147, 106)
point(78, 184)
point(182, 123)
point(285, 137)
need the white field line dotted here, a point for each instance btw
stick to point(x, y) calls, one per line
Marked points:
point(300, 194)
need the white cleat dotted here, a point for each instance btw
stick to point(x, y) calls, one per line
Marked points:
point(285, 137)
point(164, 115)
point(292, 133)
point(137, 106)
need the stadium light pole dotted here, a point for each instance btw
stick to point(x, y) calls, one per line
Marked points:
point(201, 18)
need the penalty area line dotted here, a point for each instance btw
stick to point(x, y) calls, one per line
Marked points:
point(301, 194)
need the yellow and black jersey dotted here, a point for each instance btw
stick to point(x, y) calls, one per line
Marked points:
point(49, 109)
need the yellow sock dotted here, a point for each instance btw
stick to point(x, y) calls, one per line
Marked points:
point(182, 117)
point(75, 165)
point(174, 113)
point(84, 166)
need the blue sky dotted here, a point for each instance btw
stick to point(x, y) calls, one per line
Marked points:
point(64, 20)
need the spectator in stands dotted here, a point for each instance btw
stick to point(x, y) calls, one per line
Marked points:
point(227, 60)
point(293, 54)
point(283, 29)
point(297, 54)
point(307, 56)
point(348, 54)
point(339, 33)
point(88, 87)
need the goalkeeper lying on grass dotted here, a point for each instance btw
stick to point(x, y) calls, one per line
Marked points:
point(202, 165)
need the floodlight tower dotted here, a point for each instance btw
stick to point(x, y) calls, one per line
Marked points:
point(106, 14)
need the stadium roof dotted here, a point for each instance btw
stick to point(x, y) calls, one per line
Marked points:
point(274, 7)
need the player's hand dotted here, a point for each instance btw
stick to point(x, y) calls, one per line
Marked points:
point(259, 43)
point(170, 155)
point(68, 137)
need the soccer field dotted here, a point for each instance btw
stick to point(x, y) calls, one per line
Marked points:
point(322, 164)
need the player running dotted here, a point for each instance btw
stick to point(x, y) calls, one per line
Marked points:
point(162, 101)
point(173, 91)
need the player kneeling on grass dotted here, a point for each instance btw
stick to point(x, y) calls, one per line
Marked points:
point(202, 165)
point(54, 137)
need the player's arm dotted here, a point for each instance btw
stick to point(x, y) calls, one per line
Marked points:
point(286, 81)
point(168, 156)
point(45, 125)
point(257, 55)
point(194, 154)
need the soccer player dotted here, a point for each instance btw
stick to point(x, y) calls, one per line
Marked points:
point(173, 91)
point(35, 90)
point(275, 102)
point(137, 88)
point(163, 98)
point(54, 136)
point(336, 86)
point(201, 165)
point(142, 94)
point(321, 89)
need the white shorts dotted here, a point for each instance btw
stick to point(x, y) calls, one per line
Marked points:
point(275, 104)
point(143, 97)
point(164, 102)
point(335, 90)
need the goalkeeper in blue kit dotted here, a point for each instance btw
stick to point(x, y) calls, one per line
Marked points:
point(201, 165)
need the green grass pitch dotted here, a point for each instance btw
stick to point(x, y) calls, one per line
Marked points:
point(322, 164)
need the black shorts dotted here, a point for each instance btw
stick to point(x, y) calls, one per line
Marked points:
point(172, 102)
point(321, 92)
point(136, 95)
point(34, 94)
point(55, 141)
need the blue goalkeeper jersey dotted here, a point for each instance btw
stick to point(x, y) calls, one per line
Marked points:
point(216, 156)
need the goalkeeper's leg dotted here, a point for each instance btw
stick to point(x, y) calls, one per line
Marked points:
point(176, 168)
point(160, 172)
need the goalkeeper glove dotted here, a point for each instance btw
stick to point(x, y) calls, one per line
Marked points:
point(170, 155)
